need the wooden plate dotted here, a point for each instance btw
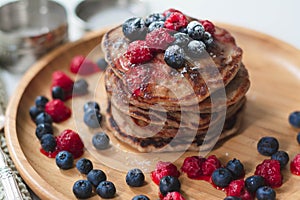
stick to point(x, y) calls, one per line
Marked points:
point(274, 71)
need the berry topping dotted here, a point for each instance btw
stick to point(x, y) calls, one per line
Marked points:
point(164, 169)
point(43, 129)
point(58, 110)
point(196, 49)
point(76, 63)
point(140, 197)
point(135, 178)
point(64, 160)
point(270, 171)
point(267, 146)
point(236, 168)
point(70, 141)
point(221, 177)
point(81, 65)
point(232, 198)
point(295, 165)
point(265, 193)
point(236, 188)
point(156, 25)
point(96, 176)
point(84, 165)
point(208, 26)
point(43, 118)
point(100, 141)
point(207, 38)
point(91, 105)
point(138, 52)
point(82, 189)
point(102, 64)
point(176, 21)
point(168, 12)
point(106, 189)
point(41, 101)
point(58, 93)
point(173, 196)
point(195, 30)
point(159, 39)
point(154, 18)
point(169, 184)
point(48, 142)
point(92, 118)
point(174, 56)
point(34, 111)
point(134, 29)
point(252, 183)
point(62, 80)
point(210, 164)
point(80, 87)
point(294, 119)
point(282, 157)
point(181, 39)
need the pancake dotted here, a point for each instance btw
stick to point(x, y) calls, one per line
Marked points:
point(156, 82)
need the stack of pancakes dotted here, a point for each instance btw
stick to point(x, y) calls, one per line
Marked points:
point(153, 107)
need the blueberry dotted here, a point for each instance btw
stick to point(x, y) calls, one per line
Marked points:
point(135, 178)
point(58, 93)
point(174, 56)
point(92, 118)
point(195, 30)
point(106, 189)
point(96, 176)
point(43, 129)
point(236, 168)
point(43, 118)
point(134, 29)
point(252, 183)
point(64, 160)
point(183, 30)
point(154, 18)
point(41, 101)
point(48, 142)
point(221, 177)
point(102, 64)
point(82, 189)
point(100, 141)
point(265, 193)
point(298, 138)
point(294, 119)
point(84, 165)
point(282, 157)
point(35, 111)
point(156, 25)
point(140, 197)
point(267, 146)
point(207, 38)
point(80, 87)
point(232, 198)
point(181, 39)
point(169, 184)
point(91, 105)
point(196, 48)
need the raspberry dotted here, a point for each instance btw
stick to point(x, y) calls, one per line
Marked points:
point(62, 80)
point(237, 188)
point(138, 52)
point(173, 196)
point(80, 65)
point(295, 165)
point(159, 39)
point(164, 169)
point(176, 21)
point(58, 110)
point(70, 141)
point(270, 171)
point(169, 11)
point(208, 26)
point(210, 165)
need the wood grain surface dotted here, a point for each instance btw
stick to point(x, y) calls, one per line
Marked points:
point(274, 69)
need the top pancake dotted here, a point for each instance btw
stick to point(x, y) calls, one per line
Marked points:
point(156, 82)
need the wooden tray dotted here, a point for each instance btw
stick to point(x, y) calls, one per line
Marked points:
point(274, 71)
